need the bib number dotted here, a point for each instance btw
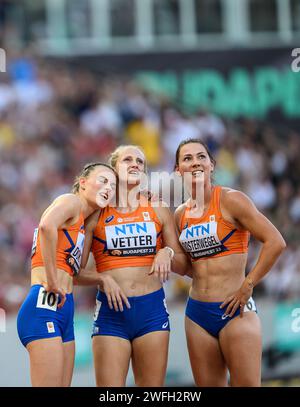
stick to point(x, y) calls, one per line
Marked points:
point(47, 300)
point(250, 305)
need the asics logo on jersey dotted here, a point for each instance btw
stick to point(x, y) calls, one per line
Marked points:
point(109, 219)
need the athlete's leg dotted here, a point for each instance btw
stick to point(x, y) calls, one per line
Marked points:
point(111, 360)
point(206, 358)
point(149, 358)
point(46, 362)
point(69, 356)
point(241, 344)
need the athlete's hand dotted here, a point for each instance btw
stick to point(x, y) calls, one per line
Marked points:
point(161, 265)
point(115, 295)
point(51, 288)
point(237, 300)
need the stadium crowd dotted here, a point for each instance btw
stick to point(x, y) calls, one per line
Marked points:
point(55, 118)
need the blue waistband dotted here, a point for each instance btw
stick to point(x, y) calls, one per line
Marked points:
point(36, 287)
point(208, 303)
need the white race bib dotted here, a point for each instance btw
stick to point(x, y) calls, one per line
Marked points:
point(201, 240)
point(131, 239)
point(47, 300)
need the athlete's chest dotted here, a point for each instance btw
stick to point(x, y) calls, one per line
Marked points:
point(129, 232)
point(204, 238)
point(208, 228)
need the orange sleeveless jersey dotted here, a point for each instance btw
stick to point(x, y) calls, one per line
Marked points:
point(211, 235)
point(70, 243)
point(126, 239)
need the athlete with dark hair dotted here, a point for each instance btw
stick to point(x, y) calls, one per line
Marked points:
point(222, 326)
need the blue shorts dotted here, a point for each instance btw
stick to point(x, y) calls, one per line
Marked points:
point(148, 313)
point(39, 317)
point(210, 316)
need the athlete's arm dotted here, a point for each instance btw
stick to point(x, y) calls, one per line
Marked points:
point(63, 211)
point(244, 212)
point(90, 277)
point(162, 262)
point(89, 227)
point(114, 293)
point(177, 216)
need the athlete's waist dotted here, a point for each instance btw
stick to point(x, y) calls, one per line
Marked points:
point(214, 292)
point(64, 280)
point(153, 295)
point(36, 287)
point(61, 263)
point(135, 281)
point(106, 263)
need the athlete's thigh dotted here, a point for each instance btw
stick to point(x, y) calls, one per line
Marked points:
point(149, 358)
point(69, 356)
point(206, 357)
point(111, 360)
point(241, 344)
point(46, 362)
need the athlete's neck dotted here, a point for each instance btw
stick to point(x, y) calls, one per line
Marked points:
point(128, 198)
point(201, 196)
point(86, 209)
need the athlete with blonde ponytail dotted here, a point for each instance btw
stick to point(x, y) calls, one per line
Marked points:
point(134, 243)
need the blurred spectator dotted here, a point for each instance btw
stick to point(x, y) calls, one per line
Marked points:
point(295, 208)
point(262, 192)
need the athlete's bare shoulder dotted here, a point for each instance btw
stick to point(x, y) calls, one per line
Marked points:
point(67, 203)
point(68, 199)
point(230, 195)
point(226, 189)
point(236, 204)
point(181, 207)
